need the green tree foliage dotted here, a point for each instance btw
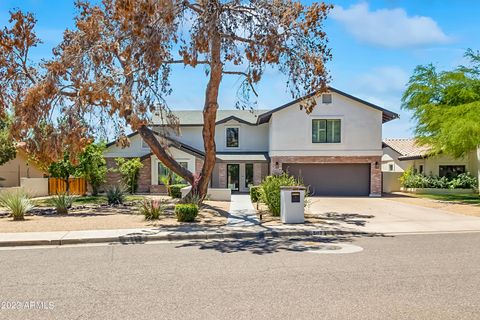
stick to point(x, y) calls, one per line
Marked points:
point(92, 166)
point(7, 145)
point(63, 169)
point(446, 106)
point(129, 170)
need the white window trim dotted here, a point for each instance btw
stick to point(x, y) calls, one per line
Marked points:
point(320, 117)
point(239, 139)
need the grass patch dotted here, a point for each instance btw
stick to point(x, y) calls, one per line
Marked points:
point(463, 198)
point(86, 200)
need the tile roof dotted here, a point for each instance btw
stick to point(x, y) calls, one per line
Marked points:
point(407, 148)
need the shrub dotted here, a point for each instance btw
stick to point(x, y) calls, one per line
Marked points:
point(129, 170)
point(255, 193)
point(17, 203)
point(411, 179)
point(152, 209)
point(464, 181)
point(115, 195)
point(186, 212)
point(270, 190)
point(62, 202)
point(175, 190)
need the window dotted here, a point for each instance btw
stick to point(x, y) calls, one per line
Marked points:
point(326, 130)
point(450, 171)
point(232, 135)
point(248, 175)
point(420, 168)
point(327, 98)
point(390, 167)
point(145, 145)
point(164, 172)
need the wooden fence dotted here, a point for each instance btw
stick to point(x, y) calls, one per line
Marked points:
point(77, 186)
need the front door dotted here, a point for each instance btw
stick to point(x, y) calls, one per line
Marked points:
point(233, 177)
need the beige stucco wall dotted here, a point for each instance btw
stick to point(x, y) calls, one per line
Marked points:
point(16, 169)
point(361, 135)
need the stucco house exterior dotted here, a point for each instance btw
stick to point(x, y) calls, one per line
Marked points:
point(401, 154)
point(336, 150)
point(14, 170)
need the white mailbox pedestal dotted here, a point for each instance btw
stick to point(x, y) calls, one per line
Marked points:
point(292, 204)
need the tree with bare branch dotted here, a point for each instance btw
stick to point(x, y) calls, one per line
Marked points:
point(114, 66)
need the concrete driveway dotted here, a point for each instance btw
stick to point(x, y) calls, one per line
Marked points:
point(388, 216)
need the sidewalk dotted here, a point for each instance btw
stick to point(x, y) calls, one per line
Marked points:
point(130, 236)
point(242, 213)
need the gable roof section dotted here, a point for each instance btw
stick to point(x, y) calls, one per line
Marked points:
point(172, 143)
point(386, 114)
point(408, 148)
point(195, 117)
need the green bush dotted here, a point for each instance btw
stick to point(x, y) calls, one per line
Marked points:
point(152, 209)
point(115, 195)
point(186, 212)
point(17, 203)
point(255, 193)
point(270, 190)
point(175, 190)
point(411, 179)
point(129, 170)
point(464, 181)
point(62, 202)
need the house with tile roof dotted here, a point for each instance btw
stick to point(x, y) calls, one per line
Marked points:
point(336, 149)
point(401, 154)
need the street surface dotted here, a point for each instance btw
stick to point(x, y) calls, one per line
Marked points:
point(428, 276)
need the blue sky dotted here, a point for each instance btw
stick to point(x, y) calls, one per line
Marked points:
point(376, 45)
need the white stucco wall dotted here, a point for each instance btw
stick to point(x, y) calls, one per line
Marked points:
point(361, 135)
point(134, 150)
point(252, 138)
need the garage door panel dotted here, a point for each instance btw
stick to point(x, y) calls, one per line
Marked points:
point(333, 179)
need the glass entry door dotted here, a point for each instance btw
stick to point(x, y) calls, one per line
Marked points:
point(233, 177)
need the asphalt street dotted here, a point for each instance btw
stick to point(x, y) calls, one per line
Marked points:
point(430, 276)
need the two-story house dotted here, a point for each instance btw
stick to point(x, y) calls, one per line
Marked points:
point(336, 149)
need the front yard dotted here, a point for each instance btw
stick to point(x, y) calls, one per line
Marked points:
point(467, 204)
point(93, 213)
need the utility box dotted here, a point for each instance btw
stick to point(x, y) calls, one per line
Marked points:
point(292, 204)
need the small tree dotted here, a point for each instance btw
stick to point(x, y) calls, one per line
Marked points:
point(92, 166)
point(7, 145)
point(129, 170)
point(63, 169)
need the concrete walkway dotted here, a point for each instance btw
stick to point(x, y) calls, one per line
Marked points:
point(242, 213)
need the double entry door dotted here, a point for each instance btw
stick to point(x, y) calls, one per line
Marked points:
point(239, 176)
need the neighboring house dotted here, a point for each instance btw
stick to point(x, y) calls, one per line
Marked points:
point(401, 154)
point(12, 171)
point(336, 150)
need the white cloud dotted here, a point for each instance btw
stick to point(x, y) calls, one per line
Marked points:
point(391, 28)
point(382, 80)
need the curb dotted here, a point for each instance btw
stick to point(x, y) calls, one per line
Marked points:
point(139, 239)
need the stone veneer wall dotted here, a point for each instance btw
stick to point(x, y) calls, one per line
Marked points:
point(375, 170)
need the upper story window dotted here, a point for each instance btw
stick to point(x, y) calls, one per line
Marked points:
point(326, 130)
point(145, 145)
point(327, 98)
point(232, 137)
point(390, 167)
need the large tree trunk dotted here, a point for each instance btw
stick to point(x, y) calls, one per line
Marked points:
point(149, 137)
point(209, 117)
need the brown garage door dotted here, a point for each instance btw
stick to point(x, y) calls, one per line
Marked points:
point(333, 179)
